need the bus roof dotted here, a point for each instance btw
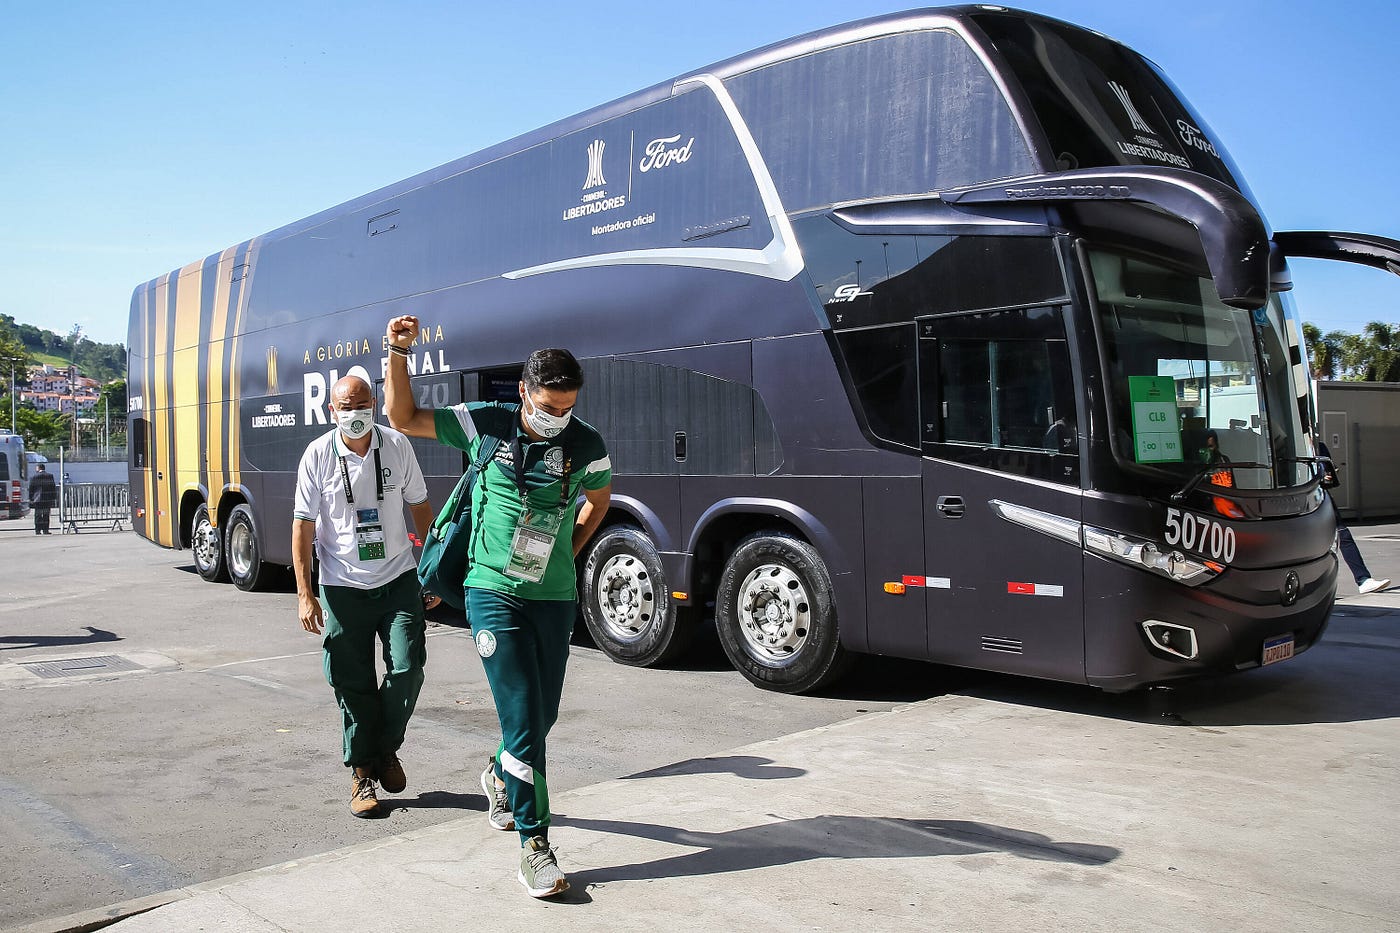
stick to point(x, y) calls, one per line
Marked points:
point(954, 17)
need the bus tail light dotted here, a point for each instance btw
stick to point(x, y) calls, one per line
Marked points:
point(1176, 640)
point(1145, 554)
point(14, 490)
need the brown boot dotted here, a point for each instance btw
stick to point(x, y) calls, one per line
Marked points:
point(363, 802)
point(391, 776)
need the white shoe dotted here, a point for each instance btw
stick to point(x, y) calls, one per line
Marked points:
point(1372, 585)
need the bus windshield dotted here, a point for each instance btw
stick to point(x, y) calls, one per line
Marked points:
point(1193, 381)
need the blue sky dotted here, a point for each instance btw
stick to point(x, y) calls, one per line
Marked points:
point(137, 137)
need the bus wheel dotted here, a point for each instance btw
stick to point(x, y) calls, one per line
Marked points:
point(626, 602)
point(776, 615)
point(245, 566)
point(207, 545)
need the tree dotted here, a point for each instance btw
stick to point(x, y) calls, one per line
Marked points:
point(1381, 360)
point(114, 395)
point(1371, 356)
point(11, 350)
point(39, 427)
point(1324, 351)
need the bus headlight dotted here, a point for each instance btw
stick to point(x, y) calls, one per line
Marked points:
point(1139, 552)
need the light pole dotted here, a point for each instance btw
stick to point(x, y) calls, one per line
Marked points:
point(12, 361)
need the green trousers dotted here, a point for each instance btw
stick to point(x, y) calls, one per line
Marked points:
point(524, 647)
point(374, 715)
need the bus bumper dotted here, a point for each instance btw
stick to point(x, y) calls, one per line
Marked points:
point(1224, 625)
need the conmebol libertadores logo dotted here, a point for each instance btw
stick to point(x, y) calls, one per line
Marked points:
point(1138, 122)
point(595, 165)
point(595, 198)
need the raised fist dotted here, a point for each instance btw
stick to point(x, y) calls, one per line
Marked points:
point(403, 330)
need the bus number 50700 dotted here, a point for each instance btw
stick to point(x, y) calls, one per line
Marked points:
point(1201, 535)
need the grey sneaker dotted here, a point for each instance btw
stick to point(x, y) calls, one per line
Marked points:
point(498, 812)
point(539, 872)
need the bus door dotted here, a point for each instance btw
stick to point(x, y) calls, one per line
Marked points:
point(1002, 500)
point(139, 473)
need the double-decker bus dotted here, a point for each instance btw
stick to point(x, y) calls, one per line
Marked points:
point(953, 335)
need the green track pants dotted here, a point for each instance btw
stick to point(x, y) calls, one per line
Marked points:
point(524, 647)
point(374, 715)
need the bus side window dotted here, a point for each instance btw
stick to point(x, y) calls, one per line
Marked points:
point(881, 363)
point(998, 392)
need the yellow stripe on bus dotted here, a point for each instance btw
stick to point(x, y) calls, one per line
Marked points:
point(161, 460)
point(235, 382)
point(185, 372)
point(216, 411)
point(148, 381)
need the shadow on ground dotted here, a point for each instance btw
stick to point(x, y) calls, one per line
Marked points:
point(94, 636)
point(785, 842)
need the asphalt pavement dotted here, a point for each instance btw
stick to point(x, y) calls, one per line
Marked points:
point(1264, 801)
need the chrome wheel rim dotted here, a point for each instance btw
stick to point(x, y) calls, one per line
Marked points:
point(626, 597)
point(240, 549)
point(205, 544)
point(775, 613)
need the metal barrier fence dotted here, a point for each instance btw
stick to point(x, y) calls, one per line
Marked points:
point(94, 503)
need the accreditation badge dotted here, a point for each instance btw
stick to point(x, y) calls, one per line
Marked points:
point(532, 544)
point(369, 534)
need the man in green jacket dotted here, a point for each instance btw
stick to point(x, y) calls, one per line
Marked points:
point(521, 586)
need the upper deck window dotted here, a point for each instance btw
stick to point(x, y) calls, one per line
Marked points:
point(1100, 103)
point(891, 116)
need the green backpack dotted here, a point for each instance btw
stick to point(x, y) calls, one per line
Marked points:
point(442, 565)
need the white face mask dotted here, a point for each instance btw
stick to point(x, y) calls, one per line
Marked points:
point(355, 424)
point(543, 423)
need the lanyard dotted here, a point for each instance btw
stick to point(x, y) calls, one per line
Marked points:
point(378, 478)
point(518, 451)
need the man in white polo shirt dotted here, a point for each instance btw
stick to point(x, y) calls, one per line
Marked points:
point(352, 485)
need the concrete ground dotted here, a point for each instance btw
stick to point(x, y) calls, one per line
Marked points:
point(1266, 801)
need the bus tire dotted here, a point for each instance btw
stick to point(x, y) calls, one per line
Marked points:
point(245, 565)
point(626, 602)
point(775, 614)
point(207, 546)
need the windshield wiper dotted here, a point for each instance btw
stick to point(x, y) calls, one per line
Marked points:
point(1317, 466)
point(1210, 468)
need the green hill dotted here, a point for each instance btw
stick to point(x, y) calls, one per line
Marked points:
point(101, 361)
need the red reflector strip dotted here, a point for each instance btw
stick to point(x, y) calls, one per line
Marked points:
point(939, 583)
point(1035, 589)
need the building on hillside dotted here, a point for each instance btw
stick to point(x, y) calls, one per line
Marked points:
point(53, 388)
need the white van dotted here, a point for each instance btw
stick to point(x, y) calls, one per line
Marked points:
point(14, 474)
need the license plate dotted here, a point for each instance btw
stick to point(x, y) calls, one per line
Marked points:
point(1278, 649)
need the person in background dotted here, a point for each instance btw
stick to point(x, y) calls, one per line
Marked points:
point(43, 496)
point(352, 485)
point(1364, 581)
